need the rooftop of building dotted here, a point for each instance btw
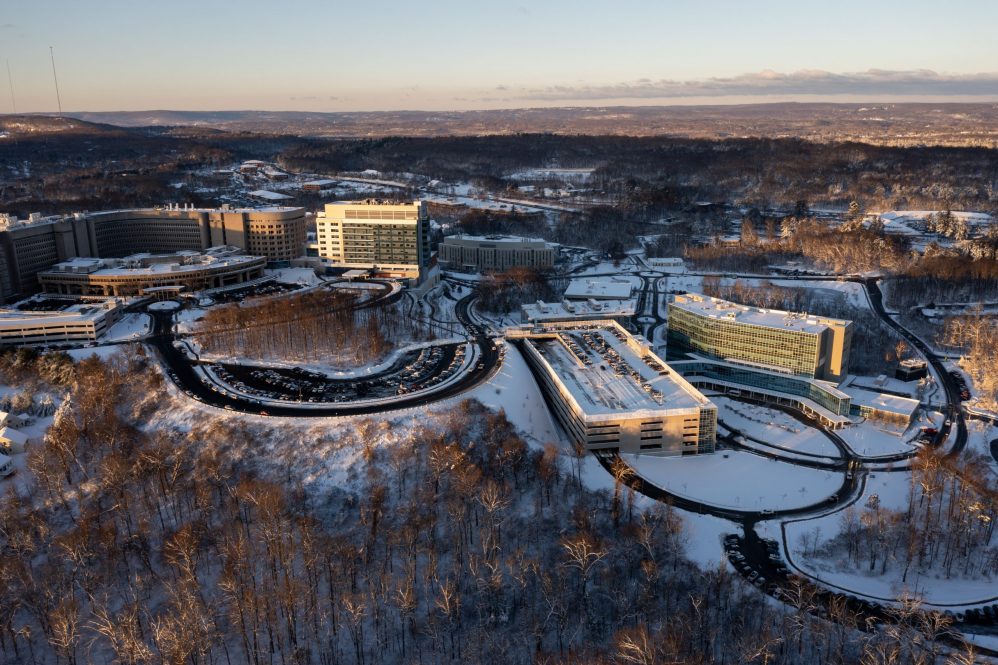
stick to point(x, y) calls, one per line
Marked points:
point(902, 406)
point(611, 288)
point(376, 202)
point(72, 314)
point(717, 308)
point(37, 219)
point(494, 238)
point(269, 195)
point(607, 376)
point(553, 311)
point(148, 264)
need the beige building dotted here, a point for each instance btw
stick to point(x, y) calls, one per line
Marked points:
point(466, 253)
point(610, 392)
point(28, 247)
point(140, 273)
point(391, 239)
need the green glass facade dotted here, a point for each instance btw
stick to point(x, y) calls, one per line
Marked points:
point(721, 337)
point(789, 385)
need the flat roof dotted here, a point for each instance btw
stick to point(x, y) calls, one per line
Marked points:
point(605, 376)
point(542, 311)
point(74, 314)
point(903, 406)
point(113, 267)
point(606, 288)
point(499, 239)
point(716, 308)
point(269, 195)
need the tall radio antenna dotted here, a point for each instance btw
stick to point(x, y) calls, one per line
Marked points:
point(10, 82)
point(55, 78)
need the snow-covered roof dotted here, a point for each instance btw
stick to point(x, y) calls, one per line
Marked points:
point(462, 238)
point(12, 319)
point(902, 406)
point(147, 264)
point(605, 288)
point(715, 308)
point(580, 309)
point(268, 195)
point(618, 381)
point(12, 435)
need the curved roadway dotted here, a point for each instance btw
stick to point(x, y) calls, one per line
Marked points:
point(181, 370)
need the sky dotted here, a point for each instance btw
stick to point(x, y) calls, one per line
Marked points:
point(373, 55)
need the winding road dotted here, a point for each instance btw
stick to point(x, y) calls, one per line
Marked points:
point(181, 370)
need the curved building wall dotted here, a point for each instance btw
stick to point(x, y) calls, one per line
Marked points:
point(132, 232)
point(136, 282)
point(278, 234)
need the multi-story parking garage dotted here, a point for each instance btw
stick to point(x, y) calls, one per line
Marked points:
point(610, 392)
point(28, 247)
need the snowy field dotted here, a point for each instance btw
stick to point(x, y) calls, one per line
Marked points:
point(979, 437)
point(854, 293)
point(877, 439)
point(302, 276)
point(102, 352)
point(738, 480)
point(935, 589)
point(892, 489)
point(131, 326)
point(773, 427)
point(514, 390)
point(705, 537)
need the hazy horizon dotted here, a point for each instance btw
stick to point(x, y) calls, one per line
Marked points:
point(387, 56)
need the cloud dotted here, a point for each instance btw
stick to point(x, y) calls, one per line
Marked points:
point(8, 26)
point(805, 82)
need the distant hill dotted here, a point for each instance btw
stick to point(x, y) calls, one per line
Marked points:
point(884, 124)
point(31, 125)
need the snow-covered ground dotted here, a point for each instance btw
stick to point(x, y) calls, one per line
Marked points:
point(131, 326)
point(303, 276)
point(705, 534)
point(514, 390)
point(773, 427)
point(871, 438)
point(979, 437)
point(854, 292)
point(739, 480)
point(892, 489)
point(934, 588)
point(102, 352)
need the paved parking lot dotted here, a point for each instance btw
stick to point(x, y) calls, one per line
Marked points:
point(413, 371)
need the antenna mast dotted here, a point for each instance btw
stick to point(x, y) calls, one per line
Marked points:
point(10, 82)
point(55, 78)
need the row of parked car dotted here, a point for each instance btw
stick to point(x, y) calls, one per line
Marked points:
point(961, 384)
point(732, 549)
point(982, 616)
point(985, 616)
